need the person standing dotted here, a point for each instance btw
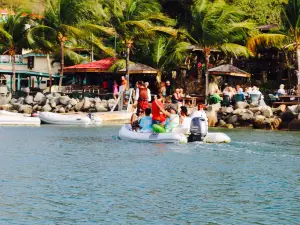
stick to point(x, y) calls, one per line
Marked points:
point(124, 83)
point(115, 90)
point(157, 116)
point(142, 97)
point(149, 92)
point(168, 88)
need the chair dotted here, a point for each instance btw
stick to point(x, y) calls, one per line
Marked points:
point(86, 88)
point(254, 98)
point(239, 98)
point(226, 100)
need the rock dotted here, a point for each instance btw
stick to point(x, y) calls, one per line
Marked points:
point(52, 103)
point(246, 116)
point(87, 104)
point(97, 100)
point(266, 111)
point(257, 113)
point(68, 107)
point(294, 108)
point(64, 100)
point(239, 111)
point(259, 119)
point(287, 117)
point(27, 109)
point(222, 123)
point(227, 110)
point(20, 101)
point(255, 109)
point(299, 116)
point(6, 107)
point(55, 94)
point(61, 110)
point(38, 97)
point(229, 126)
point(29, 100)
point(253, 104)
point(79, 105)
point(294, 125)
point(13, 100)
point(233, 119)
point(73, 101)
point(100, 107)
point(241, 105)
point(275, 123)
point(46, 108)
point(49, 96)
point(35, 108)
point(5, 99)
point(103, 101)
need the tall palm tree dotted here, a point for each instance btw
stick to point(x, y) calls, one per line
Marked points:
point(217, 25)
point(134, 20)
point(286, 37)
point(13, 32)
point(64, 19)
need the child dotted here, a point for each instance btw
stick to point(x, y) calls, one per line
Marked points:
point(146, 122)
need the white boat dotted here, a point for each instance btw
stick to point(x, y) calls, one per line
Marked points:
point(127, 134)
point(19, 120)
point(65, 119)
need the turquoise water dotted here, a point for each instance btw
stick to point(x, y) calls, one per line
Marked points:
point(68, 175)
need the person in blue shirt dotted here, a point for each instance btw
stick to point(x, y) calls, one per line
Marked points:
point(146, 121)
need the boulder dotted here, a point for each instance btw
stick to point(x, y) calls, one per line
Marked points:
point(227, 110)
point(100, 107)
point(68, 107)
point(13, 100)
point(241, 105)
point(279, 109)
point(38, 97)
point(64, 100)
point(52, 102)
point(87, 104)
point(294, 109)
point(246, 116)
point(233, 119)
point(5, 99)
point(27, 109)
point(55, 94)
point(35, 108)
point(222, 123)
point(239, 111)
point(259, 119)
point(73, 101)
point(79, 105)
point(257, 113)
point(275, 123)
point(266, 111)
point(6, 107)
point(46, 108)
point(61, 110)
point(229, 126)
point(294, 125)
point(255, 109)
point(97, 100)
point(20, 100)
point(29, 100)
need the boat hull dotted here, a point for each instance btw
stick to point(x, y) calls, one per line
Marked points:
point(58, 119)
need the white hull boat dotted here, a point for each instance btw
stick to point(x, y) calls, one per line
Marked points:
point(64, 119)
point(126, 133)
point(18, 120)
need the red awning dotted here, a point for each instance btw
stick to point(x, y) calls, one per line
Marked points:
point(98, 66)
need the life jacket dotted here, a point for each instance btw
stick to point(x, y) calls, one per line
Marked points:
point(143, 94)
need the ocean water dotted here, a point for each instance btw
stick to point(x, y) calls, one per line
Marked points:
point(76, 175)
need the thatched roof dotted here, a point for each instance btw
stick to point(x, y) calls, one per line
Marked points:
point(230, 70)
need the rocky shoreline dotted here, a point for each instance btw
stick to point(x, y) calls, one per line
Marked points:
point(241, 115)
point(247, 115)
point(55, 102)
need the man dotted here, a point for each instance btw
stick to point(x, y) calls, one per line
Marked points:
point(168, 88)
point(142, 98)
point(213, 87)
point(157, 116)
point(149, 92)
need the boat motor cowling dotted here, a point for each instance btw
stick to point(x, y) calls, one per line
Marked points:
point(198, 127)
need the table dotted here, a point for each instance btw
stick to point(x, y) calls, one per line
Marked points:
point(191, 99)
point(287, 98)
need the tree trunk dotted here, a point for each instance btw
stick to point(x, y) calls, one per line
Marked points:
point(50, 72)
point(62, 63)
point(158, 76)
point(13, 71)
point(127, 64)
point(207, 56)
point(298, 73)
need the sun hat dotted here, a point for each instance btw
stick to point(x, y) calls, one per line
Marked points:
point(172, 107)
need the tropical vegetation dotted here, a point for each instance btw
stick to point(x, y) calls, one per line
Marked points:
point(160, 33)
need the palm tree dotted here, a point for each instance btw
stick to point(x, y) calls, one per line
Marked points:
point(134, 20)
point(286, 37)
point(13, 32)
point(64, 20)
point(217, 25)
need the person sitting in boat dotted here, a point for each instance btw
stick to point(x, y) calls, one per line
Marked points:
point(145, 123)
point(184, 119)
point(157, 116)
point(135, 119)
point(172, 120)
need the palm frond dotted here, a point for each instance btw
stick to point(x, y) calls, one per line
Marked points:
point(118, 65)
point(234, 49)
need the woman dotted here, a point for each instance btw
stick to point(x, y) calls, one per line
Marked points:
point(172, 120)
point(115, 90)
point(177, 97)
point(142, 97)
point(185, 120)
point(135, 119)
point(163, 89)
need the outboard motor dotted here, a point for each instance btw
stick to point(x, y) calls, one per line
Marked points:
point(199, 126)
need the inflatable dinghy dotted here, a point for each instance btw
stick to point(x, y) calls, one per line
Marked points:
point(19, 120)
point(127, 134)
point(63, 119)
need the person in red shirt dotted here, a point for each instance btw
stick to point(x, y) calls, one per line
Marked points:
point(157, 116)
point(143, 96)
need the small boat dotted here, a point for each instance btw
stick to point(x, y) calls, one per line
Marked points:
point(65, 119)
point(196, 130)
point(19, 120)
point(127, 134)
